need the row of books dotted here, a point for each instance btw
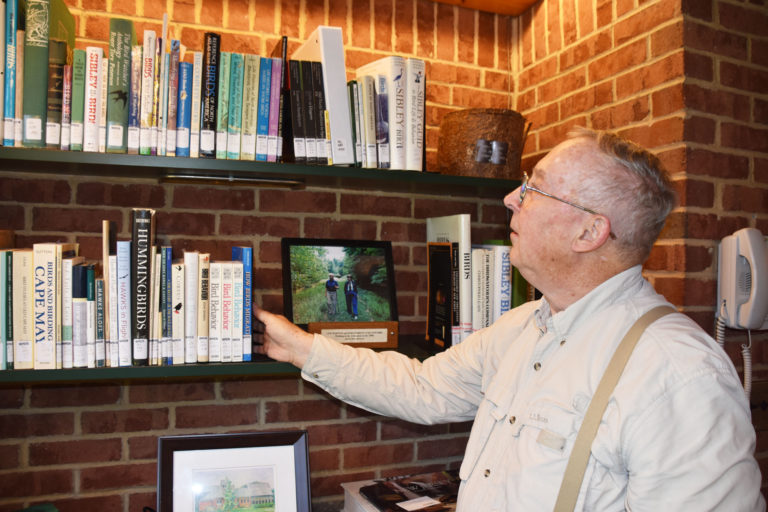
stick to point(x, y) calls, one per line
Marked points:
point(139, 306)
point(469, 287)
point(155, 98)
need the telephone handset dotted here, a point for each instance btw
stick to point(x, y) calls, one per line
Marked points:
point(742, 280)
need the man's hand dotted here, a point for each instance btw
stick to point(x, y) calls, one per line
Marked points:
point(282, 340)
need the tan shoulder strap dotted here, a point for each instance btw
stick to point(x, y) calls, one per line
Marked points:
point(577, 463)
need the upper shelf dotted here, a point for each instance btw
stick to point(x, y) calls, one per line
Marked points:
point(507, 7)
point(239, 172)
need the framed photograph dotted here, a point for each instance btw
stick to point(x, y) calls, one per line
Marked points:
point(264, 471)
point(344, 289)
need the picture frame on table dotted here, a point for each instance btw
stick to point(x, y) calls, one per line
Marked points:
point(264, 469)
point(360, 308)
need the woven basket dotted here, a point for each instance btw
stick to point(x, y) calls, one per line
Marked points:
point(482, 142)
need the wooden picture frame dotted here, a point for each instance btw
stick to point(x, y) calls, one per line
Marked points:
point(369, 317)
point(262, 468)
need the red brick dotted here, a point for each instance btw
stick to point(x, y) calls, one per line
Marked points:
point(258, 225)
point(34, 190)
point(526, 46)
point(404, 19)
point(382, 22)
point(398, 429)
point(377, 455)
point(400, 232)
point(268, 278)
point(11, 217)
point(668, 69)
point(297, 201)
point(743, 18)
point(140, 393)
point(705, 38)
point(303, 410)
point(133, 195)
point(410, 281)
point(329, 485)
point(496, 81)
point(211, 13)
point(183, 11)
point(259, 387)
point(698, 193)
point(237, 14)
point(325, 460)
point(384, 207)
point(737, 198)
point(667, 39)
point(441, 448)
point(466, 35)
point(645, 20)
point(91, 504)
point(623, 58)
point(744, 137)
point(759, 52)
point(705, 162)
point(337, 17)
point(63, 395)
point(96, 27)
point(142, 447)
point(204, 416)
point(36, 425)
point(361, 21)
point(185, 223)
point(540, 30)
point(761, 170)
point(405, 305)
point(9, 456)
point(680, 258)
point(342, 433)
point(425, 28)
point(74, 451)
point(668, 100)
point(745, 78)
point(74, 219)
point(712, 227)
point(555, 35)
point(699, 66)
point(36, 483)
point(444, 30)
point(118, 477)
point(134, 420)
point(565, 83)
point(486, 44)
point(697, 9)
point(604, 12)
point(354, 229)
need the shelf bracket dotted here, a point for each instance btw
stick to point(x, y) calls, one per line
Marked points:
point(251, 181)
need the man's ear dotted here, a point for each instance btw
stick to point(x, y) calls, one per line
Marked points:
point(595, 231)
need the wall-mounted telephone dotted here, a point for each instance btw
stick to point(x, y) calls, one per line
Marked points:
point(742, 289)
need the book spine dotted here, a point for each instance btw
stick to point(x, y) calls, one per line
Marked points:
point(203, 307)
point(23, 312)
point(222, 105)
point(274, 110)
point(318, 92)
point(114, 351)
point(164, 63)
point(235, 121)
point(297, 112)
point(57, 58)
point(354, 118)
point(238, 349)
point(90, 273)
point(173, 98)
point(34, 103)
point(262, 119)
point(45, 284)
point(18, 124)
point(197, 80)
point(178, 310)
point(67, 284)
point(157, 68)
point(147, 91)
point(80, 316)
point(209, 95)
point(78, 99)
point(250, 106)
point(134, 105)
point(414, 114)
point(8, 302)
point(9, 96)
point(121, 41)
point(310, 112)
point(66, 109)
point(284, 132)
point(368, 102)
point(184, 101)
point(5, 312)
point(227, 298)
point(156, 322)
point(124, 327)
point(92, 98)
point(142, 227)
point(396, 87)
point(382, 123)
point(166, 289)
point(103, 105)
point(245, 256)
point(191, 292)
point(101, 348)
point(214, 308)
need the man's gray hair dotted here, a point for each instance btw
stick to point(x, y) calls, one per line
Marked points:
point(637, 196)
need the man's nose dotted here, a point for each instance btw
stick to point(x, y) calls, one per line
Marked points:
point(512, 200)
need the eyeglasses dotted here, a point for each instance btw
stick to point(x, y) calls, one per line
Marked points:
point(525, 187)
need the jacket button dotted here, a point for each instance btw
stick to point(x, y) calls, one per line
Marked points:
point(537, 366)
point(487, 473)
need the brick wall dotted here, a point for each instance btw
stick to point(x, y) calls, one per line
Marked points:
point(685, 80)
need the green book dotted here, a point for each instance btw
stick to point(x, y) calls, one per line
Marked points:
point(222, 108)
point(235, 106)
point(250, 107)
point(122, 38)
point(44, 20)
point(57, 58)
point(78, 100)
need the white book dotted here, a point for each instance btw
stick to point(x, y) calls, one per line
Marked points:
point(203, 303)
point(191, 266)
point(80, 332)
point(356, 120)
point(502, 281)
point(66, 309)
point(23, 310)
point(214, 312)
point(392, 68)
point(325, 44)
point(45, 290)
point(103, 109)
point(156, 319)
point(482, 276)
point(94, 57)
point(177, 312)
point(238, 345)
point(113, 335)
point(197, 80)
point(90, 324)
point(456, 229)
point(368, 120)
point(124, 318)
point(227, 299)
point(147, 92)
point(415, 97)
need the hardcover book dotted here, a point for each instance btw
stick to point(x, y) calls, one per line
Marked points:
point(298, 121)
point(191, 292)
point(245, 255)
point(209, 95)
point(273, 142)
point(134, 101)
point(383, 147)
point(99, 330)
point(18, 124)
point(78, 100)
point(318, 92)
point(353, 89)
point(197, 80)
point(67, 297)
point(262, 118)
point(227, 303)
point(66, 109)
point(222, 105)
point(6, 307)
point(238, 348)
point(122, 39)
point(142, 238)
point(124, 323)
point(57, 59)
point(92, 98)
point(309, 111)
point(173, 98)
point(9, 94)
point(251, 68)
point(440, 294)
point(113, 350)
point(23, 316)
point(90, 272)
point(214, 309)
point(103, 105)
point(178, 310)
point(147, 92)
point(235, 120)
point(203, 307)
point(415, 94)
point(284, 132)
point(368, 120)
point(79, 317)
point(184, 117)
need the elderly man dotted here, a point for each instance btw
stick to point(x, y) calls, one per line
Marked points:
point(676, 433)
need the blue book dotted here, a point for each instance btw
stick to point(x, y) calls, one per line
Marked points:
point(184, 115)
point(262, 120)
point(9, 100)
point(235, 121)
point(166, 304)
point(245, 254)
